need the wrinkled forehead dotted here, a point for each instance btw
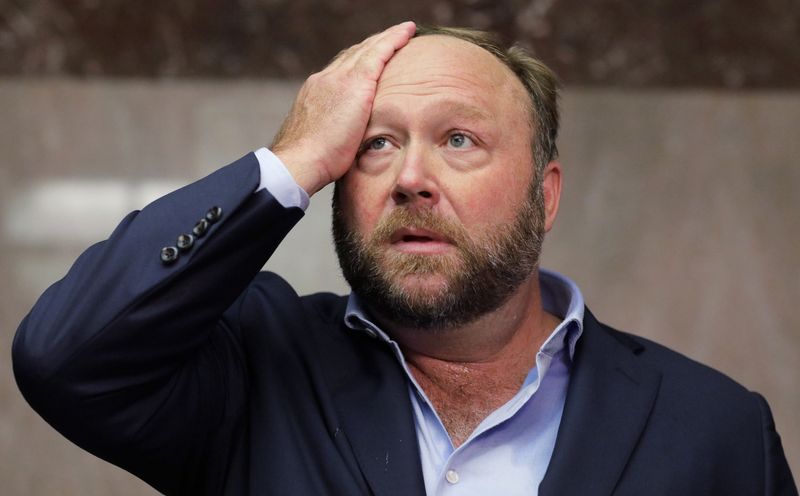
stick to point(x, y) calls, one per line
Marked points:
point(440, 61)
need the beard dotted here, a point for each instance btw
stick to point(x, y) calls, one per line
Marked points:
point(479, 277)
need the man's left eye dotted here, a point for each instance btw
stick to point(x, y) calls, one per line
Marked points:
point(378, 143)
point(460, 140)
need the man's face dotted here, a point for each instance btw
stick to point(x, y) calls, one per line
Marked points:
point(440, 218)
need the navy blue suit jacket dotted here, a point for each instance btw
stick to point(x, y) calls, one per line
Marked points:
point(207, 377)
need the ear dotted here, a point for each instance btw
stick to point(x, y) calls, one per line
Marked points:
point(551, 190)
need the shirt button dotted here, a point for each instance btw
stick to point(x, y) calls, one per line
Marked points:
point(451, 476)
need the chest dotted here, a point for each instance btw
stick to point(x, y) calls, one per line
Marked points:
point(463, 404)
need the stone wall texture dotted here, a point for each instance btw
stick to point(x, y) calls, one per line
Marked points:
point(634, 43)
point(679, 221)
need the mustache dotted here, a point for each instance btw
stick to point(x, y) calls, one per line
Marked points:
point(418, 219)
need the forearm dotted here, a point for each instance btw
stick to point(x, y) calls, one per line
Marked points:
point(123, 334)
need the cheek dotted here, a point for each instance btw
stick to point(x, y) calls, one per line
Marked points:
point(492, 199)
point(362, 200)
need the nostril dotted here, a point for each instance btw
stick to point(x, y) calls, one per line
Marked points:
point(425, 194)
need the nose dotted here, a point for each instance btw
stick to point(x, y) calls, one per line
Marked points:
point(416, 182)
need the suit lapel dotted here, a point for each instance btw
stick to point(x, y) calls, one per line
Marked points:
point(370, 394)
point(609, 400)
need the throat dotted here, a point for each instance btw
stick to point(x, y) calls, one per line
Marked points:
point(463, 397)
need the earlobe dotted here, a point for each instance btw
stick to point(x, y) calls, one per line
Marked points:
point(551, 190)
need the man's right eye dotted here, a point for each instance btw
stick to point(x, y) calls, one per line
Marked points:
point(378, 143)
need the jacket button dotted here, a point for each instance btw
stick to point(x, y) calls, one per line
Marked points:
point(169, 254)
point(200, 228)
point(185, 242)
point(214, 214)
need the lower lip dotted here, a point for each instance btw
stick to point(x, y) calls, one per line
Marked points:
point(423, 247)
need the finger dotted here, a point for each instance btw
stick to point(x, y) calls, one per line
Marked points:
point(391, 39)
point(369, 61)
point(404, 30)
point(395, 37)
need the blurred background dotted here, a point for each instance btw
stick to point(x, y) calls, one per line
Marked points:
point(680, 218)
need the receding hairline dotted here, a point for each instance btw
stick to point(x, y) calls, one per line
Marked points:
point(511, 79)
point(467, 43)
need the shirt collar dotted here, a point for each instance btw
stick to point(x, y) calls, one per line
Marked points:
point(560, 297)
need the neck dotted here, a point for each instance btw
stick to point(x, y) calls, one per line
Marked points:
point(469, 371)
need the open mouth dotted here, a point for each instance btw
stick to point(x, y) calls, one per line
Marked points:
point(420, 241)
point(412, 238)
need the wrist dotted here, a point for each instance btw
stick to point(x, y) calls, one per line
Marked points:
point(305, 170)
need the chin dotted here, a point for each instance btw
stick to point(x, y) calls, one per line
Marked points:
point(423, 285)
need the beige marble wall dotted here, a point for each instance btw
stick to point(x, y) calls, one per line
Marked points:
point(679, 221)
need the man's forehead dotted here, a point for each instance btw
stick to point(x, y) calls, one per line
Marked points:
point(431, 58)
point(390, 113)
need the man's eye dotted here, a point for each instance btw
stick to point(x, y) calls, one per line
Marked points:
point(459, 140)
point(376, 144)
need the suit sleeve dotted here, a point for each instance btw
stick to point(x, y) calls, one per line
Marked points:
point(778, 479)
point(138, 360)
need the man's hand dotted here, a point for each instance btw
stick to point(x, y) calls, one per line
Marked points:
point(320, 138)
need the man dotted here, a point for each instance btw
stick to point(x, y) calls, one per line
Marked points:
point(456, 366)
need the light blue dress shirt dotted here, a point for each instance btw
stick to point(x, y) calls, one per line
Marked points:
point(508, 453)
